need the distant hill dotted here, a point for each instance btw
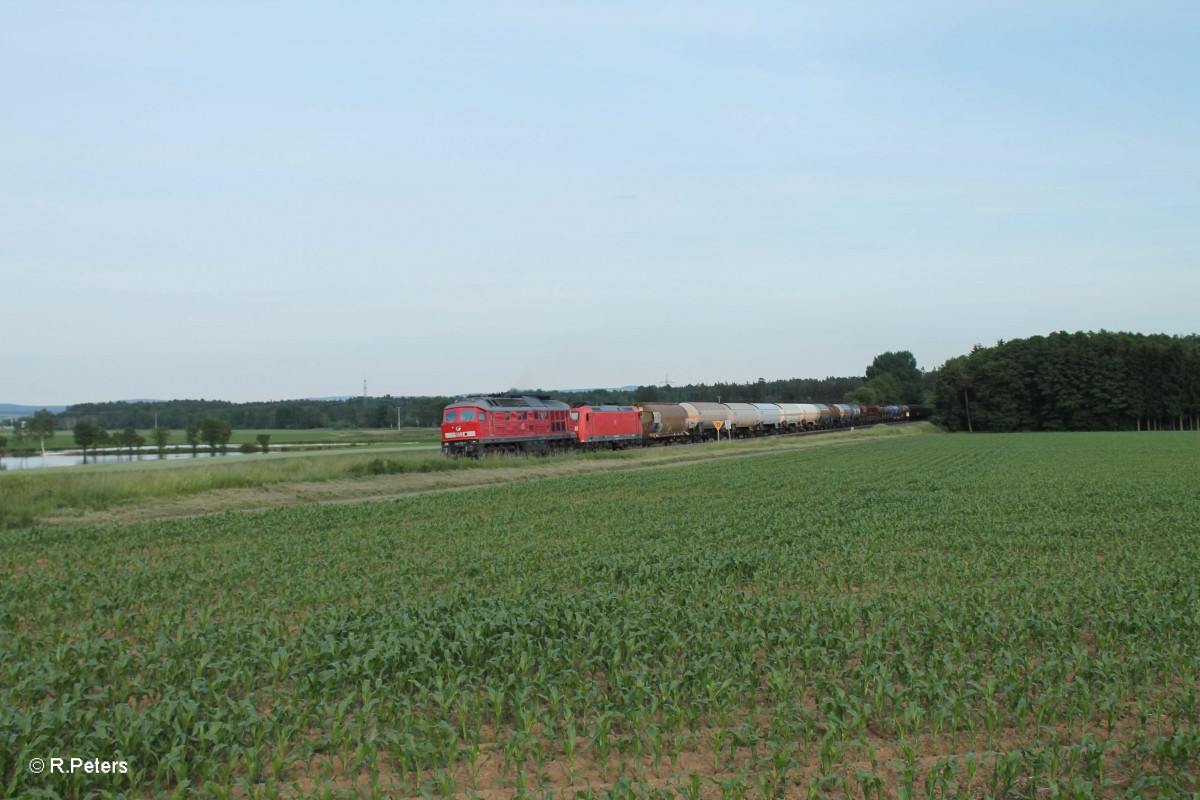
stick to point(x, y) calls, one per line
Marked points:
point(14, 410)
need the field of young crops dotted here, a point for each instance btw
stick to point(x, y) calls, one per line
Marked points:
point(927, 616)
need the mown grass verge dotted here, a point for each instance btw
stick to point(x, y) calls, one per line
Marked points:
point(35, 494)
point(150, 489)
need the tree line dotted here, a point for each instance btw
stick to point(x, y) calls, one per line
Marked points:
point(1101, 381)
point(213, 432)
point(1064, 381)
point(410, 411)
point(790, 390)
point(892, 377)
point(372, 412)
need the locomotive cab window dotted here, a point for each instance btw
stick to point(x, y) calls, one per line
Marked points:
point(483, 416)
point(468, 415)
point(574, 416)
point(451, 416)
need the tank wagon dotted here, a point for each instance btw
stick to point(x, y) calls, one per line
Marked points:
point(770, 416)
point(744, 419)
point(707, 418)
point(538, 424)
point(824, 415)
point(803, 416)
point(845, 415)
point(665, 422)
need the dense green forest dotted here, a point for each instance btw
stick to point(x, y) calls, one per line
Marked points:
point(1073, 382)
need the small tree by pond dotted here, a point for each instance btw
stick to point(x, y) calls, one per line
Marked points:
point(161, 435)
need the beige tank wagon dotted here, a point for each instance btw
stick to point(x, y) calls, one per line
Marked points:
point(771, 415)
point(744, 418)
point(706, 416)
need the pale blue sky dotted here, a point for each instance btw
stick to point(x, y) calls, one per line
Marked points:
point(253, 201)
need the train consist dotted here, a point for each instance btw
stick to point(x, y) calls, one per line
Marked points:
point(538, 424)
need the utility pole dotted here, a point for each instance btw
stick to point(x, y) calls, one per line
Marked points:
point(362, 412)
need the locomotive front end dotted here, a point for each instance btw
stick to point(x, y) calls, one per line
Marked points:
point(462, 428)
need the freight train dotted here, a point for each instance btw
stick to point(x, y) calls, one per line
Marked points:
point(539, 424)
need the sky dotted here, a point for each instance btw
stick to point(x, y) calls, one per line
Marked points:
point(270, 200)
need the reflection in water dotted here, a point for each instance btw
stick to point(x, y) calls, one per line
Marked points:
point(56, 459)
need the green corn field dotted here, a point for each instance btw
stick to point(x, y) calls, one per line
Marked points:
point(907, 617)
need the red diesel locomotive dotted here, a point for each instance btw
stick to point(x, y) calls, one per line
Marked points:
point(518, 424)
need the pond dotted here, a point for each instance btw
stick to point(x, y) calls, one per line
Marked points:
point(60, 458)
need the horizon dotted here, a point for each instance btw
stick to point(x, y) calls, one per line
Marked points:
point(340, 398)
point(527, 390)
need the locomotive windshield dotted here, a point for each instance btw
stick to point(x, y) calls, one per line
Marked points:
point(451, 416)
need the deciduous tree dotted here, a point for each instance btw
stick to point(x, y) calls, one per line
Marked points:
point(130, 439)
point(162, 435)
point(901, 367)
point(215, 433)
point(101, 439)
point(85, 433)
point(193, 436)
point(42, 426)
